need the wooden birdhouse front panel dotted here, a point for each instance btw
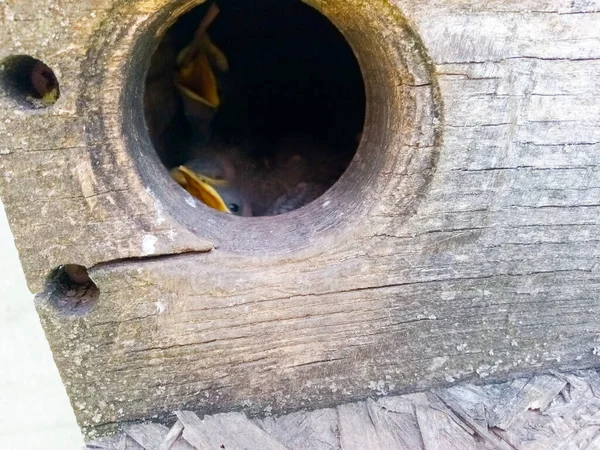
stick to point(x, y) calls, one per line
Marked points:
point(460, 243)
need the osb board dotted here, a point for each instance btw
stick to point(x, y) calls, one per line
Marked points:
point(461, 244)
point(546, 412)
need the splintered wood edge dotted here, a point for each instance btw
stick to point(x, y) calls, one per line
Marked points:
point(543, 410)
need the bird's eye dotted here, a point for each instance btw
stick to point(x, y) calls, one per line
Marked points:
point(233, 207)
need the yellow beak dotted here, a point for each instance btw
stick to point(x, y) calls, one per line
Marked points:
point(196, 79)
point(200, 187)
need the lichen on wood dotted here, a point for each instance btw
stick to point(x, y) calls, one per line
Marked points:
point(461, 244)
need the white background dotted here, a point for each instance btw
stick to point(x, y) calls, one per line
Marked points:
point(34, 409)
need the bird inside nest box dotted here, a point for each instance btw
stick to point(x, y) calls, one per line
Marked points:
point(203, 230)
point(260, 121)
point(212, 213)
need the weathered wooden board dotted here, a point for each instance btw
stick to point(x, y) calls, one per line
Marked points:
point(558, 411)
point(461, 244)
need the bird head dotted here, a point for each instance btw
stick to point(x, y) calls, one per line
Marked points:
point(197, 82)
point(216, 193)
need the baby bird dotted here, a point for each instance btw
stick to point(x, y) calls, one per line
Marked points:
point(303, 171)
point(302, 194)
point(211, 176)
point(196, 79)
point(227, 179)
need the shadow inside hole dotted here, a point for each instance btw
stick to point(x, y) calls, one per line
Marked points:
point(291, 105)
point(29, 81)
point(71, 291)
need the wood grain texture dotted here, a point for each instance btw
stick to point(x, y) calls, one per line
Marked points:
point(462, 243)
point(558, 411)
point(69, 192)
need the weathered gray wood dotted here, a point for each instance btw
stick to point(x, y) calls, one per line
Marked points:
point(439, 428)
point(232, 431)
point(577, 405)
point(528, 397)
point(169, 441)
point(537, 413)
point(118, 442)
point(459, 245)
point(558, 411)
point(367, 425)
point(78, 215)
point(313, 430)
point(153, 436)
point(147, 435)
point(193, 432)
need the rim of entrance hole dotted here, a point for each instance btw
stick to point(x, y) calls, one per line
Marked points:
point(389, 174)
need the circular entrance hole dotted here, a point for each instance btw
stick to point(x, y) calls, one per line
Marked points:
point(29, 81)
point(263, 114)
point(386, 180)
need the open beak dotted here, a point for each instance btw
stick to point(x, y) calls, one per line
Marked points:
point(200, 187)
point(196, 79)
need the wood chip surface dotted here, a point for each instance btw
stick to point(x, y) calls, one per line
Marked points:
point(545, 412)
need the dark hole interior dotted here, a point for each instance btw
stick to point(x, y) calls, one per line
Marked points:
point(71, 290)
point(291, 111)
point(29, 81)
